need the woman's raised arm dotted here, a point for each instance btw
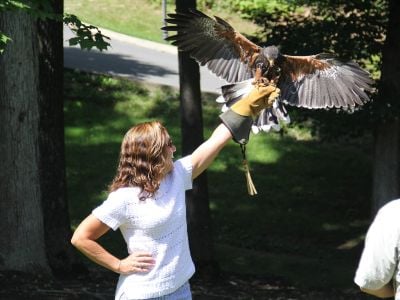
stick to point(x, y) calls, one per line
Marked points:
point(205, 154)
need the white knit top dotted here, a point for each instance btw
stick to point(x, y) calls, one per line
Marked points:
point(380, 259)
point(156, 225)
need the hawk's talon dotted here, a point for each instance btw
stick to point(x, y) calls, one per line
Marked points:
point(261, 81)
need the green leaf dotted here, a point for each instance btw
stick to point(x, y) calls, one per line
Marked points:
point(74, 41)
point(3, 41)
point(87, 36)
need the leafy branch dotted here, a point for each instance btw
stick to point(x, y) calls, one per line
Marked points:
point(87, 36)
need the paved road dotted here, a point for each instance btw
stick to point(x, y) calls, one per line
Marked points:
point(134, 58)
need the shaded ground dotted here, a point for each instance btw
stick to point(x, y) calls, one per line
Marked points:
point(15, 286)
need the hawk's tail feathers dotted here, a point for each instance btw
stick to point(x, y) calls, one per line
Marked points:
point(271, 118)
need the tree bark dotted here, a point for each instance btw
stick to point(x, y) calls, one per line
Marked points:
point(33, 207)
point(52, 178)
point(386, 164)
point(197, 200)
point(386, 180)
point(22, 244)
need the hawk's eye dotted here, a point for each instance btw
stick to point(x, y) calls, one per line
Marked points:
point(278, 69)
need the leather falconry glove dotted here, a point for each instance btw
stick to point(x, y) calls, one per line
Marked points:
point(239, 119)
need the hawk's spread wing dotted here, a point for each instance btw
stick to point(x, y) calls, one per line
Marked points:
point(316, 81)
point(215, 44)
point(322, 81)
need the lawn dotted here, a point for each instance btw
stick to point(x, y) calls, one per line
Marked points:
point(138, 18)
point(312, 209)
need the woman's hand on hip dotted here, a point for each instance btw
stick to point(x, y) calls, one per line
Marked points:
point(137, 262)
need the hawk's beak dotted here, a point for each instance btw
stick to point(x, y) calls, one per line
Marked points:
point(271, 62)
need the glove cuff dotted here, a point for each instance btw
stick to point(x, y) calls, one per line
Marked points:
point(238, 125)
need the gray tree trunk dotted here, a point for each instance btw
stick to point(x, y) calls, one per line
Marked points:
point(57, 232)
point(33, 209)
point(386, 164)
point(386, 179)
point(22, 244)
point(199, 220)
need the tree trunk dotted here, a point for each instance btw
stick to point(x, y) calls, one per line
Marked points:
point(61, 256)
point(22, 244)
point(386, 180)
point(386, 164)
point(199, 220)
point(33, 207)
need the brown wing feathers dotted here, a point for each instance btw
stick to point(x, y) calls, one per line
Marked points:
point(301, 65)
point(323, 81)
point(316, 81)
point(214, 43)
point(246, 49)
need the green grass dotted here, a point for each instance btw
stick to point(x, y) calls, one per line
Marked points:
point(138, 18)
point(313, 203)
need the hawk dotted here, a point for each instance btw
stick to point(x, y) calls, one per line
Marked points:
point(320, 81)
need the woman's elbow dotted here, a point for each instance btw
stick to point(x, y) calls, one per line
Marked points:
point(76, 240)
point(89, 230)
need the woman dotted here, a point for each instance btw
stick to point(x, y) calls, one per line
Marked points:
point(147, 203)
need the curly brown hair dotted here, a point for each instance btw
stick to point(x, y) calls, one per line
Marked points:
point(144, 159)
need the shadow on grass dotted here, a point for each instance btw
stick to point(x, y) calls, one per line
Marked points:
point(311, 212)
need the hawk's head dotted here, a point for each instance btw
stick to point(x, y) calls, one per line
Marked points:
point(271, 53)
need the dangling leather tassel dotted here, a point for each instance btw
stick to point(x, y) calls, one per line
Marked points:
point(251, 189)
